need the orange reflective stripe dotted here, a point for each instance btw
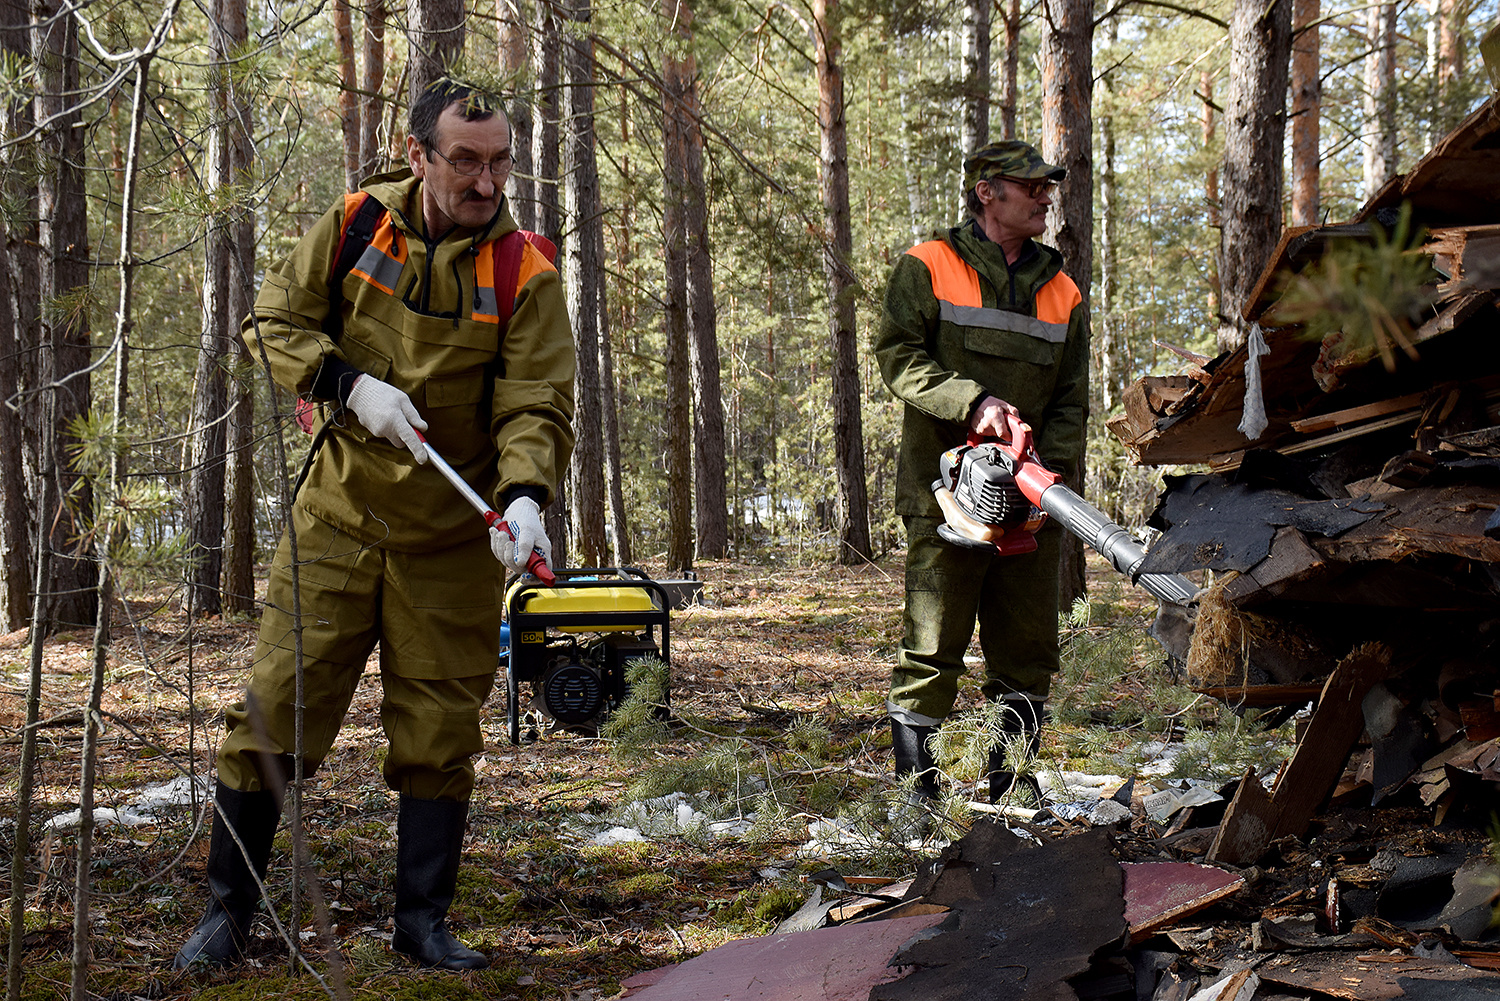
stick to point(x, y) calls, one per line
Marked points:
point(952, 278)
point(1056, 299)
point(383, 259)
point(486, 306)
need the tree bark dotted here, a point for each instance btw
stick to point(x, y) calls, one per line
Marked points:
point(64, 243)
point(675, 317)
point(582, 278)
point(975, 40)
point(1307, 91)
point(206, 439)
point(371, 101)
point(851, 504)
point(1260, 36)
point(239, 489)
point(515, 66)
point(1067, 140)
point(343, 37)
point(1111, 377)
point(18, 299)
point(680, 71)
point(1380, 97)
point(1211, 185)
point(1010, 84)
point(544, 151)
point(435, 39)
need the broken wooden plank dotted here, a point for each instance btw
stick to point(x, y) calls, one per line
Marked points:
point(1253, 819)
point(1291, 559)
point(1355, 415)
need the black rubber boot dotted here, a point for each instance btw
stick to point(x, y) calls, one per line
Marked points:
point(1021, 724)
point(234, 895)
point(913, 752)
point(429, 840)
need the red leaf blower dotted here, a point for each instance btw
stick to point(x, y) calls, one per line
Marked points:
point(996, 493)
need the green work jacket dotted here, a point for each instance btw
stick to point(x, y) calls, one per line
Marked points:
point(961, 324)
point(418, 315)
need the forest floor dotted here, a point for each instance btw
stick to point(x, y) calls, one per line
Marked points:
point(778, 682)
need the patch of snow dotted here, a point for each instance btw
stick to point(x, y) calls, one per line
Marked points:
point(148, 803)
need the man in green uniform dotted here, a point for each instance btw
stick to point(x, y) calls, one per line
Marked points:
point(980, 324)
point(387, 552)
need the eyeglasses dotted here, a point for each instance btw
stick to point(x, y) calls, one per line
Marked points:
point(473, 168)
point(1033, 188)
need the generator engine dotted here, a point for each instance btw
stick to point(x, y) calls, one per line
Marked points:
point(571, 641)
point(581, 683)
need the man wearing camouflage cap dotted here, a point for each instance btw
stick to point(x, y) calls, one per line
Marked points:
point(980, 323)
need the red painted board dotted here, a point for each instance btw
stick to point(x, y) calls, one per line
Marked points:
point(842, 963)
point(1160, 893)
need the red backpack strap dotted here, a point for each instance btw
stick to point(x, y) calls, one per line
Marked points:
point(508, 251)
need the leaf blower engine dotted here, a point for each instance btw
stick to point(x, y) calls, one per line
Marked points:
point(996, 494)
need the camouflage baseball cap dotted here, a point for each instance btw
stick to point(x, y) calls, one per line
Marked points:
point(1008, 158)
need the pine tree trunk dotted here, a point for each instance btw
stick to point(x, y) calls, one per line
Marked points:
point(544, 151)
point(975, 40)
point(343, 37)
point(851, 505)
point(675, 315)
point(18, 300)
point(206, 439)
point(619, 517)
point(371, 156)
point(1307, 89)
point(65, 253)
point(1067, 140)
point(1211, 184)
point(1260, 36)
point(1380, 97)
point(1110, 381)
point(239, 489)
point(515, 67)
point(708, 403)
point(435, 40)
point(582, 277)
point(1010, 85)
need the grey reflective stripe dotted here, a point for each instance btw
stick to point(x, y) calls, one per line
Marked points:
point(486, 304)
point(908, 717)
point(383, 270)
point(1003, 319)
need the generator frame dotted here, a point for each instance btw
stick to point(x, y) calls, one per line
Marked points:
point(529, 629)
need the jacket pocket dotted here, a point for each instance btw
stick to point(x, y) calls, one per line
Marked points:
point(1012, 344)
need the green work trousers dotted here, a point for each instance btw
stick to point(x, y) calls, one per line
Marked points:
point(436, 618)
point(948, 589)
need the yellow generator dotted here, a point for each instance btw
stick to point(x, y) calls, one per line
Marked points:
point(571, 641)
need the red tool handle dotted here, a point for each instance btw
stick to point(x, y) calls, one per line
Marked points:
point(537, 564)
point(1032, 476)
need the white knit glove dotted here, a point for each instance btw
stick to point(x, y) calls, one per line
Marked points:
point(388, 412)
point(524, 519)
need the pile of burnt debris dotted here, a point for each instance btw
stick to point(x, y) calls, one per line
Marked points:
point(1358, 909)
point(1347, 526)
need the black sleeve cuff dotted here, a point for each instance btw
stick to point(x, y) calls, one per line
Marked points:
point(538, 494)
point(334, 380)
